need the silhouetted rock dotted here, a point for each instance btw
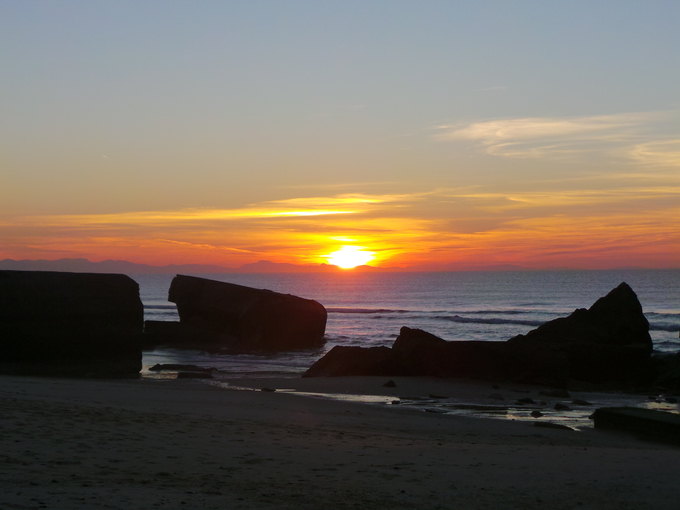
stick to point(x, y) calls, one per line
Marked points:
point(246, 319)
point(419, 353)
point(608, 343)
point(667, 371)
point(70, 323)
point(648, 423)
point(186, 336)
point(615, 319)
point(347, 361)
point(428, 355)
point(411, 343)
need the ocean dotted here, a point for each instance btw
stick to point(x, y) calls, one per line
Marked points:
point(369, 308)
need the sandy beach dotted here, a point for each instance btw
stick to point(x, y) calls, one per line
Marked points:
point(186, 444)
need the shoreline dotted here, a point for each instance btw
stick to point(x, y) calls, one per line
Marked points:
point(460, 397)
point(73, 443)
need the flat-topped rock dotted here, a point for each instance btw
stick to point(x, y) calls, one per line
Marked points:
point(248, 319)
point(649, 423)
point(70, 323)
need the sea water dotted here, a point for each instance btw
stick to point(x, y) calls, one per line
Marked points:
point(368, 309)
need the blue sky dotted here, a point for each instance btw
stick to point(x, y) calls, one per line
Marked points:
point(111, 108)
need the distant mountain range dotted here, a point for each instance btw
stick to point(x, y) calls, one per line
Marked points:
point(263, 266)
point(125, 267)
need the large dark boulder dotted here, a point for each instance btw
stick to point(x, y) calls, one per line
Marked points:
point(665, 370)
point(357, 361)
point(70, 323)
point(649, 424)
point(615, 319)
point(608, 343)
point(418, 353)
point(184, 335)
point(428, 355)
point(411, 343)
point(249, 319)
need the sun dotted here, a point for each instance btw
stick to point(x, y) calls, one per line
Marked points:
point(348, 257)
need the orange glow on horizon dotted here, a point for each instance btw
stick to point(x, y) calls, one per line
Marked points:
point(443, 230)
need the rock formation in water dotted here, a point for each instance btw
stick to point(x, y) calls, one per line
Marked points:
point(615, 319)
point(356, 361)
point(70, 324)
point(218, 316)
point(608, 343)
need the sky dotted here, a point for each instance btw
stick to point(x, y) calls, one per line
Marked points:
point(431, 134)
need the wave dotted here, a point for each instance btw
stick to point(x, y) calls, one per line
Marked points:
point(473, 320)
point(663, 321)
point(466, 312)
point(664, 327)
point(660, 326)
point(657, 321)
point(364, 310)
point(504, 312)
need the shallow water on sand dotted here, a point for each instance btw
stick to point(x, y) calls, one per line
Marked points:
point(572, 412)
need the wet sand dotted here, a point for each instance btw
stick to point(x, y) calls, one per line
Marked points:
point(191, 445)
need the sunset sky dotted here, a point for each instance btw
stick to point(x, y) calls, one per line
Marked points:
point(426, 134)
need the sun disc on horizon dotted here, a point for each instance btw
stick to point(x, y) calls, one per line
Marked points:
point(348, 257)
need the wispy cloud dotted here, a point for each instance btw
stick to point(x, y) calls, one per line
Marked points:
point(454, 224)
point(289, 208)
point(555, 199)
point(663, 153)
point(498, 131)
point(534, 137)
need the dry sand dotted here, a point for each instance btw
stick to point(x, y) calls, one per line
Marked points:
point(185, 444)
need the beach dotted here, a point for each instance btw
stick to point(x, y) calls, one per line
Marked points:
point(92, 443)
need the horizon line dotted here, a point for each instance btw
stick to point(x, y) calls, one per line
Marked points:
point(297, 268)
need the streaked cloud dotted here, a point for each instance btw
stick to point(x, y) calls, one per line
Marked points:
point(447, 225)
point(631, 135)
point(496, 131)
point(297, 207)
point(664, 153)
